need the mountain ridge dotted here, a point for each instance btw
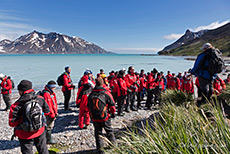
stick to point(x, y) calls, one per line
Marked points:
point(51, 43)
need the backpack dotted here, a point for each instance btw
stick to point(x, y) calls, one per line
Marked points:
point(97, 106)
point(216, 63)
point(12, 81)
point(60, 80)
point(33, 116)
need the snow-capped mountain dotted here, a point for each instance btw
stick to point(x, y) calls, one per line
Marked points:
point(188, 36)
point(51, 43)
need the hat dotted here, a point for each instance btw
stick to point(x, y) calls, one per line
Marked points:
point(123, 69)
point(25, 85)
point(206, 46)
point(66, 68)
point(2, 76)
point(51, 84)
point(87, 72)
point(99, 82)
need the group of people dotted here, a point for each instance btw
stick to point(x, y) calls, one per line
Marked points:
point(33, 115)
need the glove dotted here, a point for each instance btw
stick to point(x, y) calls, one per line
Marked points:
point(112, 115)
point(189, 71)
point(135, 82)
point(73, 86)
point(145, 80)
point(56, 116)
point(133, 87)
point(78, 105)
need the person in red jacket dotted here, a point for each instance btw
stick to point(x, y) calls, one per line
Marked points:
point(141, 89)
point(218, 85)
point(131, 83)
point(121, 87)
point(67, 87)
point(101, 100)
point(187, 85)
point(174, 83)
point(82, 101)
point(168, 77)
point(151, 84)
point(28, 138)
point(6, 90)
point(159, 86)
point(50, 97)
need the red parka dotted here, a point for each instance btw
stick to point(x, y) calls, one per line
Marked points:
point(51, 100)
point(175, 83)
point(151, 84)
point(130, 80)
point(6, 86)
point(67, 82)
point(121, 87)
point(187, 86)
point(218, 85)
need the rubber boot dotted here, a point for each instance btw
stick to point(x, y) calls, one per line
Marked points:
point(49, 138)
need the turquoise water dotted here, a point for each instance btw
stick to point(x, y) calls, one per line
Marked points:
point(42, 68)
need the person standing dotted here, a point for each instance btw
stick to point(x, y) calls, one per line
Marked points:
point(18, 119)
point(101, 105)
point(50, 97)
point(200, 69)
point(6, 90)
point(131, 82)
point(67, 87)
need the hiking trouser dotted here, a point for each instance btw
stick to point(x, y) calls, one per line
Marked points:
point(127, 102)
point(83, 116)
point(132, 100)
point(98, 131)
point(120, 104)
point(49, 123)
point(139, 99)
point(40, 143)
point(149, 99)
point(7, 100)
point(67, 95)
point(157, 95)
point(206, 89)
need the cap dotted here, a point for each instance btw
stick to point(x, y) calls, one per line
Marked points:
point(24, 85)
point(2, 76)
point(206, 46)
point(67, 67)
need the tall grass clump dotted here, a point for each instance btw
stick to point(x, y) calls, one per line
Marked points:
point(178, 130)
point(176, 97)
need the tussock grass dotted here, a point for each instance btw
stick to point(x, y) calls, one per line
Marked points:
point(181, 129)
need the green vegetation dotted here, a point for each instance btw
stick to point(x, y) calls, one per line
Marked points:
point(223, 44)
point(179, 129)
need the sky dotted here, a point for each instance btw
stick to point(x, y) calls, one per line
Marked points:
point(121, 26)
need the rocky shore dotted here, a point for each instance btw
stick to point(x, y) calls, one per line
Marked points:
point(66, 131)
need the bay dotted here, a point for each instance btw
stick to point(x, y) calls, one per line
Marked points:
point(41, 68)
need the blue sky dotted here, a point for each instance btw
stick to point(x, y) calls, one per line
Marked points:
point(123, 26)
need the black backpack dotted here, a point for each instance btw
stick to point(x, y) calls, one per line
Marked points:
point(33, 116)
point(216, 63)
point(60, 80)
point(97, 106)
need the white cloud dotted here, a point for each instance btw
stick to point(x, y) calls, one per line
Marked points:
point(213, 25)
point(12, 27)
point(134, 50)
point(173, 36)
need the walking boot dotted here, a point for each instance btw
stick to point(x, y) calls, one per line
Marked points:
point(49, 138)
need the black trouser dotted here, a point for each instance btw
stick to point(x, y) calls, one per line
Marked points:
point(67, 95)
point(139, 99)
point(206, 89)
point(115, 96)
point(40, 143)
point(7, 100)
point(120, 104)
point(98, 131)
point(157, 95)
point(149, 99)
point(130, 101)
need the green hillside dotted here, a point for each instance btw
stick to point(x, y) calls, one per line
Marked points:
point(219, 38)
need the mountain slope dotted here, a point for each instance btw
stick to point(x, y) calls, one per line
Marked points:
point(52, 43)
point(219, 38)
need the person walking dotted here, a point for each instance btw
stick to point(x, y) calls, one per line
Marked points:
point(6, 90)
point(101, 105)
point(201, 70)
point(67, 87)
point(50, 97)
point(28, 132)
